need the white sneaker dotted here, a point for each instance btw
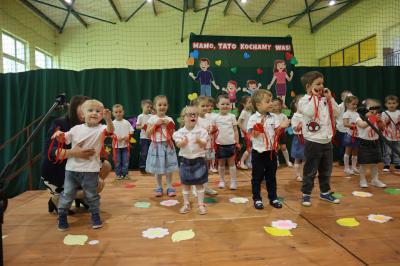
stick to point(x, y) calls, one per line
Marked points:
point(233, 185)
point(363, 183)
point(355, 170)
point(243, 166)
point(185, 209)
point(349, 171)
point(221, 184)
point(299, 178)
point(290, 164)
point(213, 170)
point(378, 183)
point(210, 191)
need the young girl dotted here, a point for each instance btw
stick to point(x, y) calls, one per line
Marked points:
point(84, 172)
point(245, 109)
point(231, 89)
point(161, 157)
point(350, 139)
point(226, 140)
point(297, 150)
point(210, 116)
point(192, 140)
point(280, 76)
point(277, 110)
point(392, 133)
point(340, 128)
point(369, 150)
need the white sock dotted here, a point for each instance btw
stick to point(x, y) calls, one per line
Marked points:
point(354, 162)
point(185, 197)
point(286, 156)
point(297, 169)
point(244, 157)
point(221, 171)
point(362, 172)
point(169, 180)
point(346, 158)
point(158, 179)
point(232, 172)
point(200, 195)
point(374, 172)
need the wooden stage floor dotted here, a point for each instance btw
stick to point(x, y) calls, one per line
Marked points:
point(230, 234)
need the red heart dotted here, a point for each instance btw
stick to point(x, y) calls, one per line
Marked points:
point(288, 56)
point(372, 119)
point(259, 71)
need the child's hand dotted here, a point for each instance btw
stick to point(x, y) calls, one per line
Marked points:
point(165, 121)
point(159, 122)
point(107, 114)
point(191, 75)
point(291, 74)
point(184, 142)
point(327, 93)
point(57, 135)
point(269, 87)
point(217, 87)
point(285, 123)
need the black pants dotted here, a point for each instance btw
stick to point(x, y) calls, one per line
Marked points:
point(318, 158)
point(144, 148)
point(264, 168)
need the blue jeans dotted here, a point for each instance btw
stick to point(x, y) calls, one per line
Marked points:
point(121, 168)
point(73, 181)
point(389, 154)
point(144, 148)
point(205, 90)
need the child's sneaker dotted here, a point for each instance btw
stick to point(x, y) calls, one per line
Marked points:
point(202, 209)
point(299, 178)
point(158, 192)
point(185, 209)
point(221, 184)
point(289, 164)
point(213, 170)
point(355, 171)
point(349, 171)
point(386, 168)
point(306, 200)
point(210, 191)
point(363, 183)
point(63, 223)
point(96, 221)
point(241, 165)
point(233, 185)
point(378, 183)
point(143, 171)
point(328, 197)
point(276, 204)
point(171, 192)
point(119, 177)
point(258, 205)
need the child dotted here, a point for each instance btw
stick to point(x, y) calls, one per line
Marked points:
point(123, 130)
point(210, 115)
point(245, 110)
point(202, 104)
point(144, 141)
point(161, 157)
point(252, 87)
point(392, 133)
point(350, 139)
point(84, 172)
point(231, 89)
point(319, 110)
point(226, 140)
point(341, 129)
point(369, 150)
point(297, 149)
point(280, 76)
point(264, 129)
point(205, 77)
point(277, 109)
point(192, 139)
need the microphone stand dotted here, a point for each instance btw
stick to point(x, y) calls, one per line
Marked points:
point(4, 182)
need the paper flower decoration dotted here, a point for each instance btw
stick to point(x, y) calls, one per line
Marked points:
point(379, 218)
point(93, 242)
point(362, 194)
point(142, 204)
point(234, 70)
point(190, 61)
point(284, 224)
point(239, 200)
point(194, 54)
point(169, 203)
point(246, 55)
point(259, 71)
point(192, 96)
point(348, 222)
point(75, 240)
point(218, 62)
point(392, 191)
point(182, 235)
point(277, 232)
point(156, 232)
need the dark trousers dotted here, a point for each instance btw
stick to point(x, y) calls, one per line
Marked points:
point(264, 168)
point(144, 148)
point(339, 140)
point(318, 158)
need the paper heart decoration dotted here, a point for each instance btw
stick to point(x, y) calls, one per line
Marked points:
point(292, 94)
point(294, 61)
point(182, 235)
point(288, 56)
point(392, 191)
point(348, 222)
point(337, 195)
point(142, 204)
point(194, 54)
point(246, 55)
point(130, 185)
point(277, 232)
point(192, 96)
point(259, 71)
point(210, 200)
point(239, 200)
point(218, 62)
point(372, 119)
point(234, 70)
point(132, 140)
point(190, 61)
point(176, 184)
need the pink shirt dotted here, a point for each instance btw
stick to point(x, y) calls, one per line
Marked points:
point(280, 77)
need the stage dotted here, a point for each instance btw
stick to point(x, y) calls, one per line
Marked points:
point(230, 234)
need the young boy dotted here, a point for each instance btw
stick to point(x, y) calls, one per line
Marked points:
point(144, 141)
point(205, 77)
point(123, 130)
point(392, 133)
point(319, 110)
point(263, 126)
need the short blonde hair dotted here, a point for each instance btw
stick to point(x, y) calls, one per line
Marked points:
point(183, 113)
point(92, 102)
point(258, 96)
point(115, 106)
point(200, 100)
point(159, 97)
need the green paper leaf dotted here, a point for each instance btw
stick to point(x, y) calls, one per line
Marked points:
point(392, 191)
point(142, 204)
point(210, 200)
point(337, 195)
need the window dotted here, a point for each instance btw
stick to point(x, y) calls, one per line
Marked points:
point(43, 60)
point(351, 55)
point(325, 62)
point(368, 49)
point(14, 54)
point(337, 59)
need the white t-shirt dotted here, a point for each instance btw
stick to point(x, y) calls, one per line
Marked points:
point(297, 122)
point(244, 115)
point(122, 129)
point(211, 116)
point(391, 133)
point(270, 124)
point(192, 150)
point(87, 138)
point(352, 116)
point(207, 125)
point(339, 119)
point(225, 125)
point(367, 133)
point(142, 120)
point(160, 136)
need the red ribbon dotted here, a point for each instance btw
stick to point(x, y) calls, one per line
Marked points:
point(354, 133)
point(60, 155)
point(246, 137)
point(168, 136)
point(300, 135)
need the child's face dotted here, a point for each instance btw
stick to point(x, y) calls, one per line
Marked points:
point(161, 106)
point(93, 114)
point(210, 107)
point(344, 95)
point(191, 117)
point(231, 86)
point(204, 65)
point(224, 105)
point(79, 113)
point(391, 105)
point(265, 105)
point(118, 113)
point(248, 105)
point(276, 106)
point(252, 86)
point(281, 66)
point(146, 108)
point(203, 107)
point(317, 85)
point(352, 106)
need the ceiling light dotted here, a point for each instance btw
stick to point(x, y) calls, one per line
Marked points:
point(332, 2)
point(68, 1)
point(149, 1)
point(243, 1)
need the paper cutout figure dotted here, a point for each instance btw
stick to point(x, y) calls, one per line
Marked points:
point(156, 232)
point(169, 203)
point(284, 224)
point(93, 242)
point(142, 204)
point(75, 240)
point(194, 54)
point(362, 194)
point(280, 76)
point(246, 55)
point(130, 185)
point(231, 89)
point(347, 222)
point(294, 61)
point(218, 62)
point(337, 195)
point(234, 70)
point(379, 218)
point(251, 87)
point(210, 200)
point(176, 184)
point(392, 191)
point(277, 232)
point(239, 200)
point(190, 61)
point(192, 96)
point(182, 235)
point(205, 77)
point(259, 71)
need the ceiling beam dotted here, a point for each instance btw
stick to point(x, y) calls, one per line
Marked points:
point(268, 5)
point(205, 16)
point(41, 14)
point(153, 3)
point(244, 12)
point(168, 4)
point(309, 15)
point(185, 4)
point(114, 7)
point(136, 10)
point(75, 14)
point(203, 8)
point(67, 16)
point(305, 11)
point(227, 7)
point(334, 15)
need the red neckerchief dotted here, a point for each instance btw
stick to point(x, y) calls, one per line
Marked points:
point(214, 134)
point(300, 136)
point(168, 136)
point(246, 137)
point(354, 133)
point(372, 119)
